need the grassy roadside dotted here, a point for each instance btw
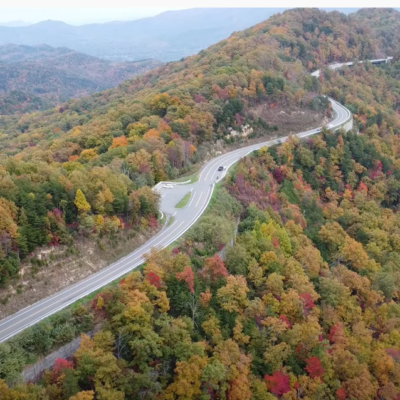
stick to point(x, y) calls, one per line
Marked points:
point(183, 202)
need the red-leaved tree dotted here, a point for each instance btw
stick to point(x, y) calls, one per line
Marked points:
point(278, 383)
point(336, 334)
point(187, 276)
point(59, 365)
point(285, 320)
point(306, 299)
point(153, 279)
point(214, 268)
point(314, 367)
point(277, 174)
point(340, 394)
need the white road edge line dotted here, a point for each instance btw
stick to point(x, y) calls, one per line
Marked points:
point(191, 200)
point(201, 193)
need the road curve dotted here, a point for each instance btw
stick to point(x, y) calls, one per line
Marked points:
point(182, 219)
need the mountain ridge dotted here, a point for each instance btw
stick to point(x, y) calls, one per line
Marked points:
point(130, 38)
point(39, 77)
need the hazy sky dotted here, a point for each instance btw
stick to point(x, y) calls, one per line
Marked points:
point(90, 11)
point(80, 15)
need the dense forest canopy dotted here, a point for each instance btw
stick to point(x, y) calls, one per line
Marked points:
point(384, 23)
point(371, 93)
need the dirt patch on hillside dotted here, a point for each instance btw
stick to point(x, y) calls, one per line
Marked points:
point(54, 268)
point(289, 119)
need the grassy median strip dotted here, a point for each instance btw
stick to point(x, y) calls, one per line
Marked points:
point(184, 201)
point(188, 179)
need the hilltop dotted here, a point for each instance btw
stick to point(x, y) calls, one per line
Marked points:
point(269, 62)
point(40, 77)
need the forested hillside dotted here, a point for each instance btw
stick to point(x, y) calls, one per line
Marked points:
point(384, 24)
point(305, 305)
point(371, 93)
point(41, 77)
point(71, 169)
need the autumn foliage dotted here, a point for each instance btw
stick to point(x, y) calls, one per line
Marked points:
point(119, 142)
point(59, 365)
point(214, 268)
point(277, 383)
point(188, 277)
point(157, 126)
point(314, 367)
point(154, 279)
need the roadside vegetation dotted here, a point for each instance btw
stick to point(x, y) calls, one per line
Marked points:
point(41, 339)
point(45, 337)
point(183, 202)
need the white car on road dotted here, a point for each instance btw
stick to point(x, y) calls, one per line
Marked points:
point(168, 186)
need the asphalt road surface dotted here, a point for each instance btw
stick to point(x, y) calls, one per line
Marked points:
point(182, 220)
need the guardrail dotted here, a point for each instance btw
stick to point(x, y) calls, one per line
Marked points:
point(171, 183)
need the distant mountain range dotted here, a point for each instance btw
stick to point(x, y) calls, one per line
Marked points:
point(39, 77)
point(168, 36)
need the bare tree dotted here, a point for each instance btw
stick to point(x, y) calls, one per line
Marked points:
point(120, 343)
point(193, 304)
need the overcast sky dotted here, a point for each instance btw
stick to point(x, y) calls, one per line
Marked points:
point(78, 16)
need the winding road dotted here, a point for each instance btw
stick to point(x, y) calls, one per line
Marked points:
point(181, 220)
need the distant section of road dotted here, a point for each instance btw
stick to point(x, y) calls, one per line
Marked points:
point(183, 219)
point(340, 65)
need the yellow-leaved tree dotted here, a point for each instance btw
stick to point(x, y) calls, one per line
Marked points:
point(80, 201)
